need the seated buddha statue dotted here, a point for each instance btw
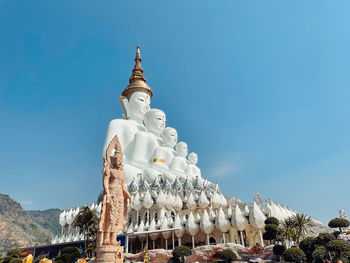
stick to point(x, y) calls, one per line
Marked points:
point(179, 163)
point(135, 100)
point(146, 142)
point(192, 170)
point(162, 156)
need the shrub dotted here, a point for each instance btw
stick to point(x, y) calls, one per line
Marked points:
point(278, 250)
point(271, 232)
point(181, 252)
point(272, 220)
point(336, 234)
point(14, 253)
point(339, 247)
point(323, 239)
point(308, 246)
point(227, 255)
point(294, 254)
point(338, 222)
point(320, 254)
point(173, 260)
point(15, 260)
point(68, 255)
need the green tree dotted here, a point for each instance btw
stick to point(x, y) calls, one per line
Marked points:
point(271, 231)
point(68, 255)
point(272, 220)
point(227, 255)
point(181, 252)
point(338, 223)
point(338, 249)
point(323, 238)
point(278, 250)
point(14, 253)
point(87, 221)
point(308, 246)
point(320, 254)
point(15, 260)
point(294, 255)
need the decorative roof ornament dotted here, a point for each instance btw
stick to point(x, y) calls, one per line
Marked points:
point(132, 188)
point(257, 217)
point(176, 186)
point(187, 185)
point(166, 185)
point(198, 184)
point(137, 81)
point(155, 186)
point(143, 187)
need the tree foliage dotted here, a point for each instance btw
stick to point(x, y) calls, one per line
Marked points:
point(68, 255)
point(272, 220)
point(271, 231)
point(227, 255)
point(308, 246)
point(278, 250)
point(181, 252)
point(320, 254)
point(338, 223)
point(294, 254)
point(323, 238)
point(87, 221)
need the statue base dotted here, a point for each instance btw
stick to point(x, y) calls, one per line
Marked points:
point(109, 254)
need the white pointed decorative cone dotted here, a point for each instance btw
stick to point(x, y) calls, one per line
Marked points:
point(169, 201)
point(152, 227)
point(192, 226)
point(239, 221)
point(206, 224)
point(161, 199)
point(178, 224)
point(137, 202)
point(203, 201)
point(164, 226)
point(215, 201)
point(257, 217)
point(147, 201)
point(221, 222)
point(191, 203)
point(246, 210)
point(229, 212)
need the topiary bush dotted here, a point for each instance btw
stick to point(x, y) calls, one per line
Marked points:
point(308, 246)
point(68, 255)
point(338, 223)
point(294, 255)
point(320, 254)
point(271, 232)
point(272, 220)
point(278, 250)
point(323, 239)
point(173, 260)
point(181, 252)
point(339, 249)
point(227, 255)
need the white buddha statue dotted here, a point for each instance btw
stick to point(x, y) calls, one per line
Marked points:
point(146, 142)
point(179, 163)
point(192, 170)
point(163, 156)
point(135, 100)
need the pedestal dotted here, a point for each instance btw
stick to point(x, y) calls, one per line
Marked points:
point(109, 254)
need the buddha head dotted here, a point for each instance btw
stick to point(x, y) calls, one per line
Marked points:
point(193, 158)
point(136, 97)
point(137, 105)
point(181, 149)
point(155, 120)
point(169, 136)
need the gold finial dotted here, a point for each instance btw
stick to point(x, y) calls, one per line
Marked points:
point(137, 81)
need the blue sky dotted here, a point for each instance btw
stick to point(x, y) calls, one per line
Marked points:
point(259, 89)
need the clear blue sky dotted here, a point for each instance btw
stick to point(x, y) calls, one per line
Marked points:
point(259, 89)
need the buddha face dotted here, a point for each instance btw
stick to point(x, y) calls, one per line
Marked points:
point(138, 105)
point(155, 121)
point(169, 136)
point(181, 149)
point(193, 158)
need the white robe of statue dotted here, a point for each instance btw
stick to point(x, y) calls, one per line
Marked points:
point(146, 142)
point(163, 156)
point(179, 164)
point(192, 170)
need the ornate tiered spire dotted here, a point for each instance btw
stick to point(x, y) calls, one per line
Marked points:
point(137, 81)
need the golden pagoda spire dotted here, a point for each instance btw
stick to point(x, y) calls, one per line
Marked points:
point(137, 81)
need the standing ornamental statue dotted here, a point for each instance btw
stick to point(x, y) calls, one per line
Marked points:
point(114, 206)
